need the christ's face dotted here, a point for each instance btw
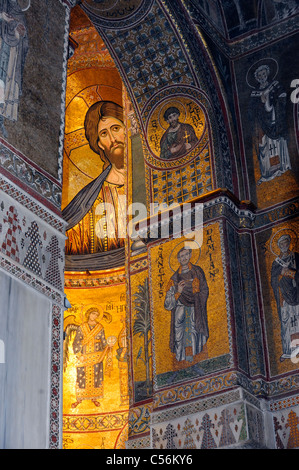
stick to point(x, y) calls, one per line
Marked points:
point(173, 119)
point(184, 257)
point(111, 140)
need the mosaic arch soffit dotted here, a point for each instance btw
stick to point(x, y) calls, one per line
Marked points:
point(115, 19)
point(151, 53)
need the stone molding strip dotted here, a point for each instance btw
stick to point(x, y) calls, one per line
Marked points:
point(24, 173)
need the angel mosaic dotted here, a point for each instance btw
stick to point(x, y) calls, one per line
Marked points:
point(91, 349)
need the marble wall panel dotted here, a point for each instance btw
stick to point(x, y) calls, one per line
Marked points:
point(25, 375)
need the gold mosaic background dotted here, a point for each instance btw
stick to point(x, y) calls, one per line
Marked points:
point(139, 367)
point(268, 251)
point(209, 258)
point(278, 189)
point(81, 164)
point(190, 113)
point(190, 175)
point(89, 426)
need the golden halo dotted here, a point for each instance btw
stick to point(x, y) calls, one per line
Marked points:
point(284, 231)
point(169, 104)
point(95, 308)
point(173, 257)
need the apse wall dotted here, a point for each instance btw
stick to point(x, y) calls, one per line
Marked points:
point(227, 74)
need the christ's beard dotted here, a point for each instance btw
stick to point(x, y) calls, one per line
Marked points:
point(116, 155)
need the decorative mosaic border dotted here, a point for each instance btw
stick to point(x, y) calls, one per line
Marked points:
point(216, 207)
point(94, 281)
point(269, 389)
point(197, 406)
point(242, 217)
point(237, 308)
point(233, 419)
point(141, 443)
point(227, 293)
point(232, 405)
point(139, 419)
point(30, 279)
point(119, 23)
point(55, 438)
point(28, 176)
point(138, 265)
point(199, 388)
point(30, 242)
point(64, 83)
point(95, 422)
point(283, 211)
point(256, 402)
point(251, 309)
point(257, 388)
point(37, 209)
point(284, 403)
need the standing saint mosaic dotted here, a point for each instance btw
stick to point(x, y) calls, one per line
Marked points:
point(267, 114)
point(285, 285)
point(91, 348)
point(186, 298)
point(13, 51)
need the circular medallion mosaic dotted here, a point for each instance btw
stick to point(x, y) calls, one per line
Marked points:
point(116, 13)
point(175, 129)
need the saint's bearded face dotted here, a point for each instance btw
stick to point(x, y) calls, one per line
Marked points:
point(173, 119)
point(284, 245)
point(184, 257)
point(111, 140)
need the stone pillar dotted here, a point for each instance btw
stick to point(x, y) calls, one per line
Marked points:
point(32, 303)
